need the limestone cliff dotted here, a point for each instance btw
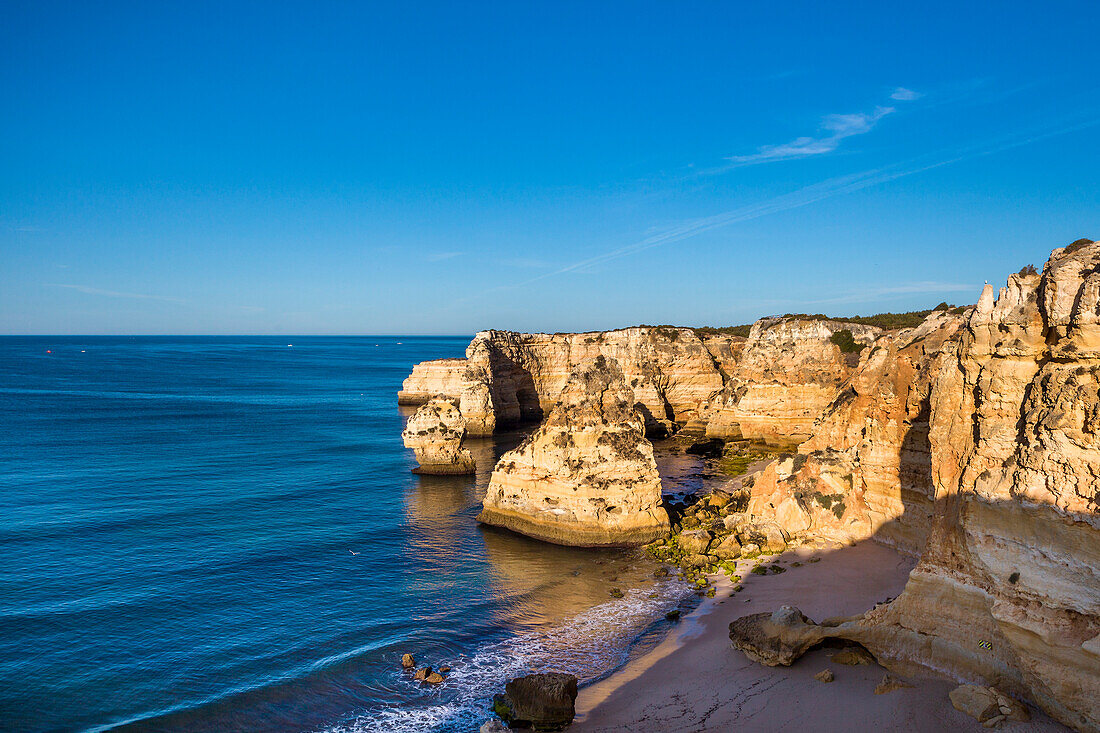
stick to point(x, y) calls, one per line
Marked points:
point(866, 469)
point(770, 386)
point(435, 434)
point(587, 476)
point(508, 378)
point(1001, 498)
point(432, 378)
point(788, 371)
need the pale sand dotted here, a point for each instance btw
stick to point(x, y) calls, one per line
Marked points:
point(695, 681)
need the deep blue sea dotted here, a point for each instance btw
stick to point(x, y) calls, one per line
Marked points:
point(178, 517)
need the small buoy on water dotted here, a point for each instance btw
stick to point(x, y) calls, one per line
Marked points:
point(48, 351)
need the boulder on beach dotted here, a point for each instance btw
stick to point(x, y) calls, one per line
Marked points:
point(694, 541)
point(775, 639)
point(986, 704)
point(545, 702)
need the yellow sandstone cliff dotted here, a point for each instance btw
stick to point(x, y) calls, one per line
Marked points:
point(587, 476)
point(976, 445)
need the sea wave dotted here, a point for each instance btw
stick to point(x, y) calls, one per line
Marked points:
point(590, 645)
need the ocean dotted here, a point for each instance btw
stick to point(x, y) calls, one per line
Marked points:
point(224, 533)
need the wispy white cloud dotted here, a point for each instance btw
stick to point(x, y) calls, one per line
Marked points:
point(440, 256)
point(822, 190)
point(115, 294)
point(835, 128)
point(901, 94)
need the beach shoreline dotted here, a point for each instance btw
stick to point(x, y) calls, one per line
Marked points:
point(694, 680)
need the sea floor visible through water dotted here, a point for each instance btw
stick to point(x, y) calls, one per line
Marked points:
point(218, 533)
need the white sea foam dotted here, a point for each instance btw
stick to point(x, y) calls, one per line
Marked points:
point(588, 645)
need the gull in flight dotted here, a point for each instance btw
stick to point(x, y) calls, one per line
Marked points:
point(353, 552)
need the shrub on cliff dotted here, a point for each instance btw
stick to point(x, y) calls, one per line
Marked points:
point(848, 345)
point(742, 331)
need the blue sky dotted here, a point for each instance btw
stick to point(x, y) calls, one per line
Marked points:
point(300, 168)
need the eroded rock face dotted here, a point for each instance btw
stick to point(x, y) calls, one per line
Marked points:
point(435, 433)
point(866, 471)
point(1002, 498)
point(1014, 552)
point(508, 378)
point(587, 476)
point(787, 373)
point(432, 378)
point(770, 386)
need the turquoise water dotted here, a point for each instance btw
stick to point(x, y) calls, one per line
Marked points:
point(179, 517)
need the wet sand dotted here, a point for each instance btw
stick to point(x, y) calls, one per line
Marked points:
point(695, 681)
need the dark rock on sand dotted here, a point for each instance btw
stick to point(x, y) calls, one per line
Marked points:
point(545, 702)
point(777, 638)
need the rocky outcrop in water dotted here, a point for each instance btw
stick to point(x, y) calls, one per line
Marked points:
point(587, 476)
point(431, 379)
point(435, 433)
point(998, 488)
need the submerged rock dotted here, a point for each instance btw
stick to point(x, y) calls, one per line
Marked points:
point(435, 433)
point(587, 476)
point(545, 702)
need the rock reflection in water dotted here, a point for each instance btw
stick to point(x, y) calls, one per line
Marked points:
point(545, 583)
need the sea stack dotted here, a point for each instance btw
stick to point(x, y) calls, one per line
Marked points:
point(587, 476)
point(435, 434)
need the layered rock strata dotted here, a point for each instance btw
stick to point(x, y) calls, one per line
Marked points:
point(866, 471)
point(788, 371)
point(1007, 590)
point(587, 476)
point(513, 378)
point(770, 386)
point(435, 434)
point(432, 378)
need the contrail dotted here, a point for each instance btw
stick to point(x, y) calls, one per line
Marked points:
point(809, 195)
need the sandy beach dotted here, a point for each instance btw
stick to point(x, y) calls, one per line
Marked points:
point(695, 681)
